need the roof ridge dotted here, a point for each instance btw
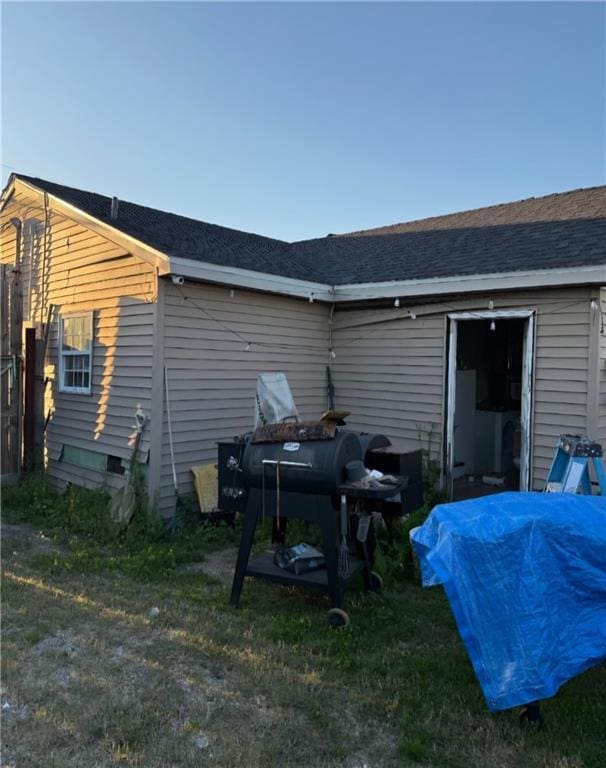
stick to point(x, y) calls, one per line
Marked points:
point(469, 210)
point(34, 179)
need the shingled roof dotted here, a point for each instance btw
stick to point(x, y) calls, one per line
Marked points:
point(556, 231)
point(181, 236)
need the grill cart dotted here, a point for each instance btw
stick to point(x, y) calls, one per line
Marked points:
point(313, 480)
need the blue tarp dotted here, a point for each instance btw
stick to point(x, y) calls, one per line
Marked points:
point(525, 575)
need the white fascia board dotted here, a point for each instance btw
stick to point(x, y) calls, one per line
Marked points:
point(435, 286)
point(7, 193)
point(248, 278)
point(129, 243)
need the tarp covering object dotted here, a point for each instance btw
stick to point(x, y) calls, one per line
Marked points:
point(525, 575)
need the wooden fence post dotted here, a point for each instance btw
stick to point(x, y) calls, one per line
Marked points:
point(11, 404)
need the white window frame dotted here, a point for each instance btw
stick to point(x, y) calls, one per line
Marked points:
point(62, 354)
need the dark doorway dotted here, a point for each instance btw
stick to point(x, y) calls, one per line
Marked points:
point(488, 395)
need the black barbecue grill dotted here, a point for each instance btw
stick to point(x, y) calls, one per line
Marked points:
point(315, 467)
point(308, 479)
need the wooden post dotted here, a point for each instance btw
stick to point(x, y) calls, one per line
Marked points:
point(17, 349)
point(11, 388)
point(6, 465)
point(29, 405)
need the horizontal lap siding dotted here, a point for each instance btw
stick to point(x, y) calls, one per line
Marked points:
point(389, 375)
point(212, 378)
point(390, 370)
point(79, 271)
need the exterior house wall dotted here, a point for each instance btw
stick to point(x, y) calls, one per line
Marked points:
point(212, 377)
point(390, 370)
point(70, 268)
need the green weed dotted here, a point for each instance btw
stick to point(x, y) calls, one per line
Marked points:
point(147, 549)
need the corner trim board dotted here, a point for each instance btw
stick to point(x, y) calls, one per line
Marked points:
point(157, 395)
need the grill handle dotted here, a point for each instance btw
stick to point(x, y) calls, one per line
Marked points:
point(274, 462)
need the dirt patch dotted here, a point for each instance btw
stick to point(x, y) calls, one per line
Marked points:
point(24, 537)
point(219, 565)
point(62, 643)
point(12, 712)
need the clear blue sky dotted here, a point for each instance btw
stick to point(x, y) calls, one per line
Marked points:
point(295, 120)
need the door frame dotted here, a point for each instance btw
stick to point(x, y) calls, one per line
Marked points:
point(526, 410)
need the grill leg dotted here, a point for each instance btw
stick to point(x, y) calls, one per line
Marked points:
point(366, 549)
point(367, 566)
point(532, 714)
point(278, 530)
point(329, 535)
point(248, 535)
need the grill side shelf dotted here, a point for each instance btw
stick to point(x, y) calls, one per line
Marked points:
point(263, 567)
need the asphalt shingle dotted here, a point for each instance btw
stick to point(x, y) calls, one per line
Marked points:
point(560, 230)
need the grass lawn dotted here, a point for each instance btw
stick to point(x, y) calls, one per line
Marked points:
point(92, 678)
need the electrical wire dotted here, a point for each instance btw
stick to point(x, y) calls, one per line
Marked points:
point(247, 341)
point(448, 308)
point(440, 309)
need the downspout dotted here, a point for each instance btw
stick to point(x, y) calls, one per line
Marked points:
point(16, 341)
point(330, 388)
point(17, 298)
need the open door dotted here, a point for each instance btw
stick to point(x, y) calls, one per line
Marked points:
point(527, 393)
point(489, 402)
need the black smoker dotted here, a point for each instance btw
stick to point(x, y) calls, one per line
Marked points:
point(307, 480)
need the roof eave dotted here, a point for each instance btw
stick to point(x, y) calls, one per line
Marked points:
point(189, 268)
point(7, 192)
point(129, 243)
point(498, 281)
point(261, 281)
point(248, 278)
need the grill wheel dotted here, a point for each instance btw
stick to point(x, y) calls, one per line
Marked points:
point(338, 618)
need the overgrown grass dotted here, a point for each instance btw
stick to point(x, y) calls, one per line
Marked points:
point(77, 511)
point(146, 549)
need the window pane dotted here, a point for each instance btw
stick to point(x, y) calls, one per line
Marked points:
point(67, 342)
point(69, 332)
point(76, 334)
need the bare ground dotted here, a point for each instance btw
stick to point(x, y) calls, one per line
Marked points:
point(101, 670)
point(91, 680)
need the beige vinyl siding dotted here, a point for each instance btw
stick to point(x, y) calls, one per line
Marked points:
point(389, 370)
point(76, 270)
point(212, 378)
